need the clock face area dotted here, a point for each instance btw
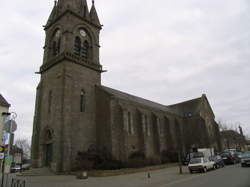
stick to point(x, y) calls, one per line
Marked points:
point(83, 33)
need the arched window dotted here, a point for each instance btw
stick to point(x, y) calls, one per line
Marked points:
point(77, 49)
point(54, 48)
point(59, 45)
point(56, 43)
point(82, 101)
point(85, 50)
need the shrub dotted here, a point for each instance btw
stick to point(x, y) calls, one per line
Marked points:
point(110, 165)
point(169, 156)
point(136, 163)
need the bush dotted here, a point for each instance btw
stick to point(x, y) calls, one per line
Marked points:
point(136, 163)
point(169, 156)
point(110, 165)
point(153, 161)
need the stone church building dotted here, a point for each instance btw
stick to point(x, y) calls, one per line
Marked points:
point(74, 112)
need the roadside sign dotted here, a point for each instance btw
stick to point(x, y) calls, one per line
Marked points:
point(10, 126)
point(7, 164)
point(1, 156)
point(1, 149)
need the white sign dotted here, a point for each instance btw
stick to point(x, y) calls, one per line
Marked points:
point(1, 156)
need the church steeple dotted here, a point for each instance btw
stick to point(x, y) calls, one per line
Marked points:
point(79, 7)
point(93, 15)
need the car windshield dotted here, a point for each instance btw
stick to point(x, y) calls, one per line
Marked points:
point(195, 160)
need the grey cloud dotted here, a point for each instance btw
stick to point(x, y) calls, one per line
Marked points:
point(167, 51)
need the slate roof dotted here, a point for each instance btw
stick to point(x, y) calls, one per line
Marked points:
point(187, 107)
point(3, 102)
point(135, 99)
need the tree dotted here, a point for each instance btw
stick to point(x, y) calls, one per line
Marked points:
point(24, 144)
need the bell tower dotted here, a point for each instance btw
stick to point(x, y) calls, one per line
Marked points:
point(65, 112)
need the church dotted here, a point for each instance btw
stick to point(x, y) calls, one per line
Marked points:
point(74, 112)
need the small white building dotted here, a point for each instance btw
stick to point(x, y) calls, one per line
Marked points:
point(4, 107)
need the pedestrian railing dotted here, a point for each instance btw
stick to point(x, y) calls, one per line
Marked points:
point(17, 183)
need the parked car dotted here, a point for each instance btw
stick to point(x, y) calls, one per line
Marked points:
point(201, 165)
point(219, 162)
point(15, 168)
point(245, 160)
point(238, 156)
point(25, 166)
point(228, 158)
point(189, 156)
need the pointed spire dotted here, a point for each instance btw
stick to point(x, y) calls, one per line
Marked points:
point(78, 6)
point(52, 14)
point(93, 15)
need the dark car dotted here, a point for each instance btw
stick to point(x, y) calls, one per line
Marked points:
point(245, 160)
point(228, 158)
point(238, 156)
point(219, 162)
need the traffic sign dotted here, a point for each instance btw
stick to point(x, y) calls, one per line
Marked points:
point(1, 149)
point(10, 126)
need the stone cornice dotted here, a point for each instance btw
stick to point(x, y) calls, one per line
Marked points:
point(69, 57)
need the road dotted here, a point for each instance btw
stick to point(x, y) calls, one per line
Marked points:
point(230, 176)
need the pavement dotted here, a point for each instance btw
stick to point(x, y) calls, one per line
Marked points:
point(230, 176)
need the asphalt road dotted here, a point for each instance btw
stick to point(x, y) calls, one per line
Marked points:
point(230, 176)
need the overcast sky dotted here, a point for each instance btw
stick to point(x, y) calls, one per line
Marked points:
point(167, 51)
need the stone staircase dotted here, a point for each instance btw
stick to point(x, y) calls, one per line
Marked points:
point(36, 172)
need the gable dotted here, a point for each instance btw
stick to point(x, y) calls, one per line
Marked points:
point(3, 102)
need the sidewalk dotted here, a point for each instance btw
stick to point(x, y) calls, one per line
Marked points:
point(158, 177)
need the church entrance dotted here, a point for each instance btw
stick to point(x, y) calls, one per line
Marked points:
point(49, 154)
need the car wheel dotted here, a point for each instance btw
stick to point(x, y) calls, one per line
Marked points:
point(204, 169)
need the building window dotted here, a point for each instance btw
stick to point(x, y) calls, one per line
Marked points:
point(77, 46)
point(146, 125)
point(159, 125)
point(85, 50)
point(54, 48)
point(56, 43)
point(131, 129)
point(82, 101)
point(49, 101)
point(125, 120)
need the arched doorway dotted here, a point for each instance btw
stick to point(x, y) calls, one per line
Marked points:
point(49, 154)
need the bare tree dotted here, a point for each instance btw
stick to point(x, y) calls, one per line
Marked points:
point(222, 125)
point(24, 144)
